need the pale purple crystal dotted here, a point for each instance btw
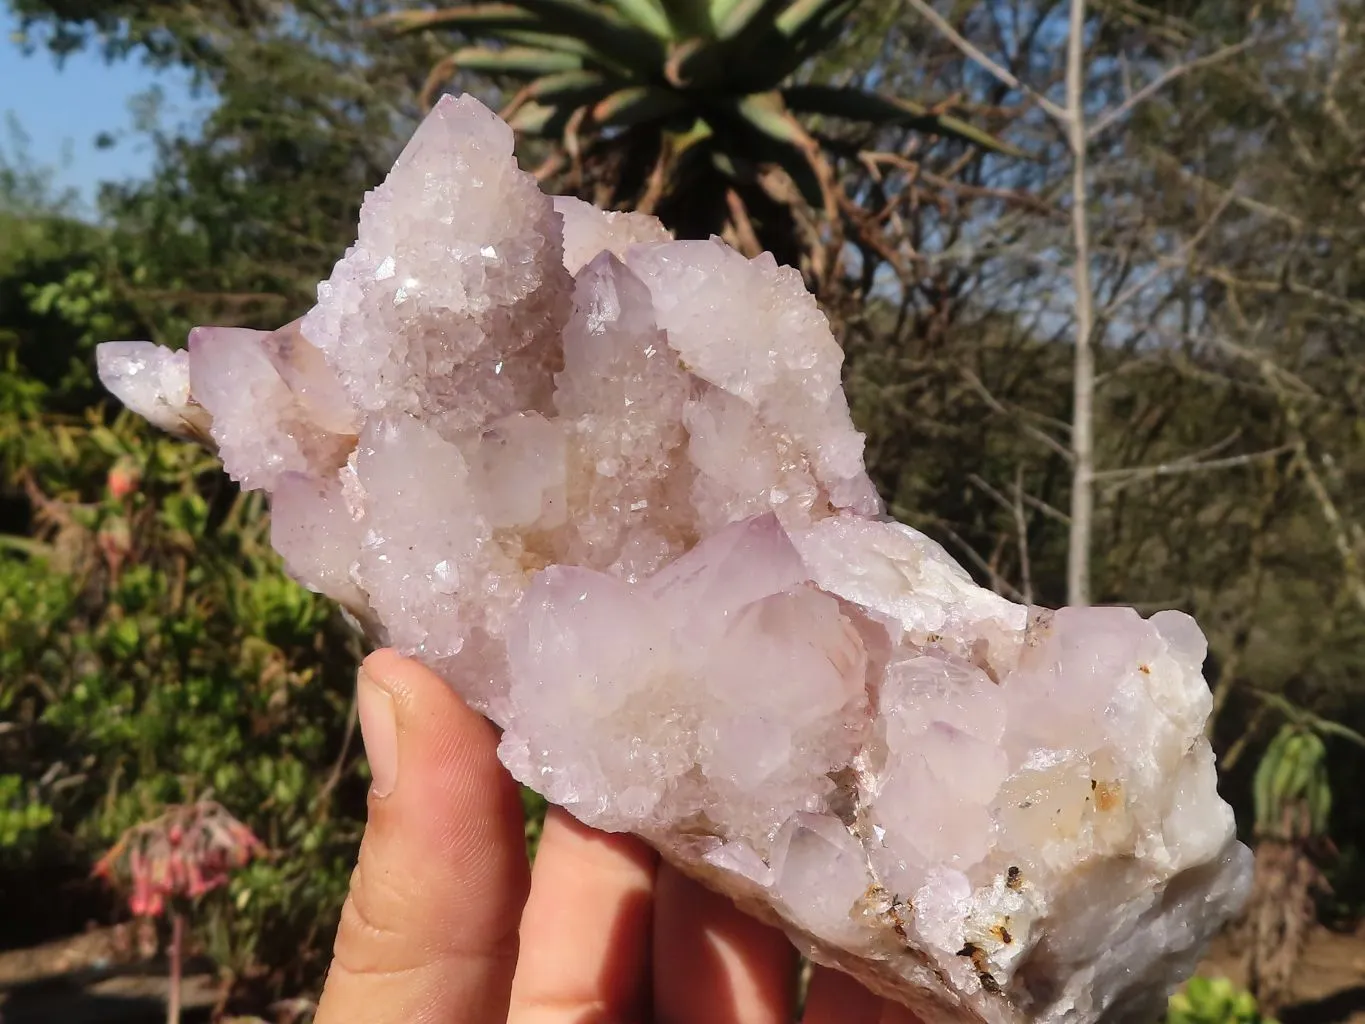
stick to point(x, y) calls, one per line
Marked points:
point(606, 483)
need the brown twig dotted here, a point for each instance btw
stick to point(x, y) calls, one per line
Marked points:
point(744, 227)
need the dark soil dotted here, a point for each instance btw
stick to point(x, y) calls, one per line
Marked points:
point(105, 976)
point(102, 977)
point(1329, 985)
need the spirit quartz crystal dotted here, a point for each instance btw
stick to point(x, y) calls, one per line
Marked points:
point(606, 484)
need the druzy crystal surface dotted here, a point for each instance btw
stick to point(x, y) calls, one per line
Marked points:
point(606, 484)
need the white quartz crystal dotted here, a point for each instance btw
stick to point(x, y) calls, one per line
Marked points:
point(606, 484)
point(589, 231)
point(154, 382)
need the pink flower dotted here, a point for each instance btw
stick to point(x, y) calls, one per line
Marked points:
point(186, 852)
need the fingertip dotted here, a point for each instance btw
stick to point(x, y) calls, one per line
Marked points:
point(408, 681)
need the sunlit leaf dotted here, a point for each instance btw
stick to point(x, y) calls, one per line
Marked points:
point(873, 108)
point(515, 60)
point(636, 105)
point(648, 14)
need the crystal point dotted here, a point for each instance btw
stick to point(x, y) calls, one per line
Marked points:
point(607, 484)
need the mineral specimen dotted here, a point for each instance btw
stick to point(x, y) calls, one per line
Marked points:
point(607, 485)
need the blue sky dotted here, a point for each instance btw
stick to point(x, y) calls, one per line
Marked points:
point(62, 110)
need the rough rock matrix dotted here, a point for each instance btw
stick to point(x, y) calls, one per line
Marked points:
point(606, 484)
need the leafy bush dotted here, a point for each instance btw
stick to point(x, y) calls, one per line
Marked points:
point(153, 654)
point(152, 651)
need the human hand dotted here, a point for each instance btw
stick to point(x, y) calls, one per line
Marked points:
point(446, 923)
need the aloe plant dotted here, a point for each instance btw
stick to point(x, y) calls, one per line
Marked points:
point(1292, 795)
point(684, 108)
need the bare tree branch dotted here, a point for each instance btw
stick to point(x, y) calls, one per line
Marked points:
point(1180, 258)
point(1208, 184)
point(1001, 73)
point(1046, 439)
point(1111, 117)
point(1350, 557)
point(1123, 477)
point(1015, 507)
point(1021, 530)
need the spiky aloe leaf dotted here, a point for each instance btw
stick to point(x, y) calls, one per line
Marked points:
point(689, 18)
point(515, 60)
point(532, 118)
point(767, 112)
point(490, 16)
point(637, 104)
point(585, 24)
point(601, 28)
point(441, 72)
point(772, 55)
point(733, 18)
point(877, 109)
point(562, 44)
point(805, 14)
point(747, 34)
point(721, 10)
point(647, 14)
point(694, 134)
point(573, 88)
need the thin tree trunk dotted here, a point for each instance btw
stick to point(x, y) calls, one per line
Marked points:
point(177, 955)
point(1083, 383)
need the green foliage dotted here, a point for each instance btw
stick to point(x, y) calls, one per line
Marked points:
point(152, 652)
point(533, 808)
point(155, 654)
point(22, 817)
point(1214, 1001)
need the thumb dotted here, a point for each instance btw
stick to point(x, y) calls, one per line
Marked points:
point(429, 929)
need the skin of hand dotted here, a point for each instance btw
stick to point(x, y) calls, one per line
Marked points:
point(446, 923)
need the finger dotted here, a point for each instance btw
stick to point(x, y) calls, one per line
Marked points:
point(836, 998)
point(586, 930)
point(895, 1013)
point(713, 962)
point(429, 930)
